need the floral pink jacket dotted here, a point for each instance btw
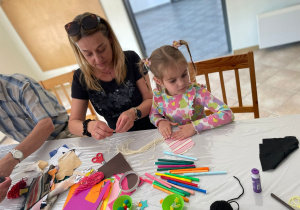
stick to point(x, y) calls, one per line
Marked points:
point(189, 108)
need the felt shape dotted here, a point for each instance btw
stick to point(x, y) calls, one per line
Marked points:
point(93, 195)
point(116, 165)
point(60, 152)
point(180, 146)
point(54, 152)
point(71, 193)
point(274, 151)
point(67, 164)
point(37, 166)
point(78, 201)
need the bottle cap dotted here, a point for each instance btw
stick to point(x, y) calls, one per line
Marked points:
point(255, 171)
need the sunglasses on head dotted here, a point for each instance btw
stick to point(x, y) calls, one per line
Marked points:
point(88, 22)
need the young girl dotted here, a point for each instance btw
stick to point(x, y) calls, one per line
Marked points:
point(176, 101)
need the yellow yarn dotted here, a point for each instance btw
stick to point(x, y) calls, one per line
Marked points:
point(295, 201)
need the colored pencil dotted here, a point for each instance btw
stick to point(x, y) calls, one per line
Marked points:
point(169, 192)
point(191, 169)
point(173, 163)
point(185, 177)
point(205, 173)
point(174, 166)
point(154, 178)
point(187, 186)
point(183, 156)
point(167, 169)
point(182, 172)
point(177, 180)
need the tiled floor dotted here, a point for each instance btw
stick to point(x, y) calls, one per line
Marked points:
point(278, 82)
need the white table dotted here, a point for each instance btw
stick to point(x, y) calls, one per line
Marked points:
point(233, 148)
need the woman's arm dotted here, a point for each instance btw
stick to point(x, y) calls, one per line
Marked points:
point(98, 129)
point(127, 118)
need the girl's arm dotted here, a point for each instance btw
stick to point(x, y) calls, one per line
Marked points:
point(222, 113)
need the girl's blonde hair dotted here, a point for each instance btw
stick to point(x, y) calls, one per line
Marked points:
point(118, 54)
point(164, 58)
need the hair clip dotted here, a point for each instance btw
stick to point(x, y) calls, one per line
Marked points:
point(147, 63)
point(176, 44)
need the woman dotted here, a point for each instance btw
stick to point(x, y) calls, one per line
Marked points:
point(109, 78)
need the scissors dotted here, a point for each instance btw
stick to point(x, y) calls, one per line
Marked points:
point(98, 159)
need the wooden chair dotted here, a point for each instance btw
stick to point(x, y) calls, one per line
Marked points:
point(237, 63)
point(59, 86)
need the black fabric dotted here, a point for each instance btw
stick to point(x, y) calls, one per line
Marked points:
point(115, 99)
point(273, 151)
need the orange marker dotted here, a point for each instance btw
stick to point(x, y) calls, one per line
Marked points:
point(169, 192)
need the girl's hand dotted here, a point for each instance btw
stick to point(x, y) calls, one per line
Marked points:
point(164, 127)
point(185, 131)
point(125, 121)
point(99, 129)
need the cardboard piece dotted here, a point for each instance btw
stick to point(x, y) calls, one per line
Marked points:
point(117, 165)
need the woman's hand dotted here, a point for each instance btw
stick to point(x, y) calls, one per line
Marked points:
point(164, 127)
point(125, 121)
point(4, 186)
point(185, 131)
point(99, 130)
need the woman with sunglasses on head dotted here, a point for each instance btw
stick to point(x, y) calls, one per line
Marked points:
point(109, 77)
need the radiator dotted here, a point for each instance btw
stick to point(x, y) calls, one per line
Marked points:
point(279, 27)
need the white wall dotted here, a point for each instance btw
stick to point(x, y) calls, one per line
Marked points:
point(117, 16)
point(141, 5)
point(16, 58)
point(243, 21)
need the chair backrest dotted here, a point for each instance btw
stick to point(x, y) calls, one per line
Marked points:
point(237, 64)
point(61, 87)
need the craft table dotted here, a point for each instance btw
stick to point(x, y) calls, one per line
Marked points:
point(233, 148)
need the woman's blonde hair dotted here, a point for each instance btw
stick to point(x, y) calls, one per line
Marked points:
point(164, 58)
point(118, 54)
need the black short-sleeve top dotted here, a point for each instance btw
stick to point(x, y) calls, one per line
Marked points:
point(114, 99)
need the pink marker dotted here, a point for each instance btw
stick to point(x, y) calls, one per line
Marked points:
point(160, 181)
point(174, 166)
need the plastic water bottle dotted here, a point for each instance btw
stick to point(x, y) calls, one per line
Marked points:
point(256, 180)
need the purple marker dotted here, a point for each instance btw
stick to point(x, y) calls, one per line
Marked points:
point(256, 180)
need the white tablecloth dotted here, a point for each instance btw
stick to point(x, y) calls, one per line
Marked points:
point(233, 148)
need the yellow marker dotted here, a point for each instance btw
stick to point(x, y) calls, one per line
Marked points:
point(183, 179)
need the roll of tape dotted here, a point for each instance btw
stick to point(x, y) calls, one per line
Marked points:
point(136, 184)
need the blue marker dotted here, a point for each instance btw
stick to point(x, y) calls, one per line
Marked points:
point(182, 156)
point(205, 173)
point(187, 186)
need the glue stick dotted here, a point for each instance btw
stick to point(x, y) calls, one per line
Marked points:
point(256, 180)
